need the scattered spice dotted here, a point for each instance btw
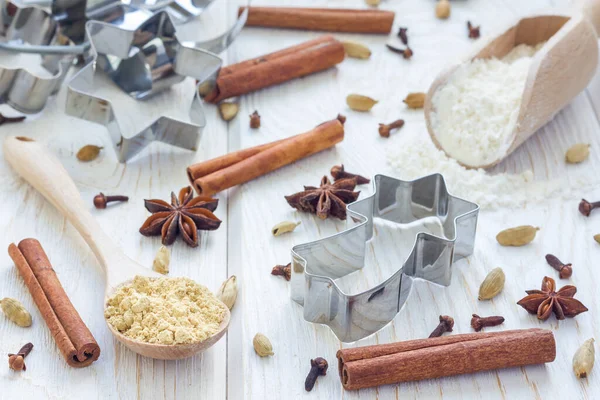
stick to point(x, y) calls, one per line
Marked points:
point(329, 199)
point(100, 200)
point(338, 172)
point(402, 34)
point(162, 260)
point(478, 323)
point(518, 236)
point(186, 215)
point(547, 300)
point(384, 130)
point(442, 9)
point(15, 311)
point(356, 50)
point(415, 100)
point(564, 270)
point(4, 120)
point(406, 53)
point(492, 285)
point(283, 270)
point(227, 293)
point(583, 360)
point(318, 367)
point(88, 153)
point(577, 153)
point(16, 361)
point(255, 120)
point(358, 102)
point(586, 208)
point(228, 110)
point(284, 227)
point(474, 31)
point(262, 345)
point(446, 324)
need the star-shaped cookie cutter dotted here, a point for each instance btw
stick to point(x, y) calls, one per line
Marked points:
point(317, 265)
point(140, 52)
point(28, 89)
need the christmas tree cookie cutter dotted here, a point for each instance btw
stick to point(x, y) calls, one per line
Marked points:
point(140, 52)
point(317, 265)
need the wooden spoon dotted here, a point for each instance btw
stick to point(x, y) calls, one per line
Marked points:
point(560, 70)
point(45, 173)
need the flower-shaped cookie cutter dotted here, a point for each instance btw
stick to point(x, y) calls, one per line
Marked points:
point(28, 89)
point(317, 265)
point(140, 52)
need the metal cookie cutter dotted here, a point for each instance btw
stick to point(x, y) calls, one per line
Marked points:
point(140, 52)
point(180, 10)
point(316, 265)
point(28, 89)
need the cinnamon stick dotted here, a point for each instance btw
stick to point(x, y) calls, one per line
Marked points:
point(321, 19)
point(73, 338)
point(245, 165)
point(278, 67)
point(207, 167)
point(414, 360)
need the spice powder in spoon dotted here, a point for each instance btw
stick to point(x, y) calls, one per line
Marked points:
point(165, 311)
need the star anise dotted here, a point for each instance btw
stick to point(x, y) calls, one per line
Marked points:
point(186, 215)
point(544, 302)
point(328, 199)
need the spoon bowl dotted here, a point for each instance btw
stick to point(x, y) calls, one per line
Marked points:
point(559, 71)
point(46, 174)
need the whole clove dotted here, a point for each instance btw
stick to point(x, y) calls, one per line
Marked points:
point(100, 200)
point(564, 270)
point(385, 129)
point(402, 34)
point(446, 324)
point(406, 53)
point(16, 362)
point(318, 367)
point(255, 120)
point(283, 270)
point(474, 31)
point(4, 120)
point(478, 323)
point(586, 208)
point(338, 172)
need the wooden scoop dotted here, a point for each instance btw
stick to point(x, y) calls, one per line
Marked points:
point(45, 173)
point(560, 70)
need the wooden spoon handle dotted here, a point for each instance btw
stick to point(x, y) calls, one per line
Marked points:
point(591, 10)
point(45, 173)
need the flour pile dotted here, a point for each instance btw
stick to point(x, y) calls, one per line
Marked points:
point(415, 156)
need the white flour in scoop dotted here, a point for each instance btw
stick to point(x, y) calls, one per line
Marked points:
point(475, 112)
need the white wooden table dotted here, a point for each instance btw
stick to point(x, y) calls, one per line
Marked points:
point(244, 246)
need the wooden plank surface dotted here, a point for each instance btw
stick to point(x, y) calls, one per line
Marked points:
point(244, 246)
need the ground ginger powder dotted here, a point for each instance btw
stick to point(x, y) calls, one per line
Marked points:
point(165, 310)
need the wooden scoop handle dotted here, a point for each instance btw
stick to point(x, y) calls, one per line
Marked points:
point(591, 10)
point(46, 174)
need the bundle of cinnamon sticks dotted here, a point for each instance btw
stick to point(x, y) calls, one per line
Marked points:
point(413, 360)
point(73, 338)
point(212, 176)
